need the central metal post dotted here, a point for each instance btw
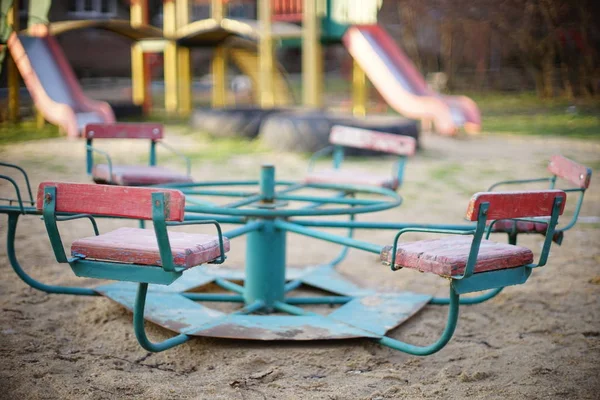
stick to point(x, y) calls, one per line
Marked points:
point(265, 254)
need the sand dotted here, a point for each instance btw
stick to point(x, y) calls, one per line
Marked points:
point(540, 340)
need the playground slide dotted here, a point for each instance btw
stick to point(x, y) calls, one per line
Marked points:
point(403, 87)
point(53, 85)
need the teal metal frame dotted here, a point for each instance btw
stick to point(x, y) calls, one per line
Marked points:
point(266, 222)
point(152, 156)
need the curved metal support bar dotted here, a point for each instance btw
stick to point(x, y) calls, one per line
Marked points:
point(140, 330)
point(520, 182)
point(444, 301)
point(25, 176)
point(330, 200)
point(17, 191)
point(454, 300)
point(207, 192)
point(79, 216)
point(186, 160)
point(573, 220)
point(12, 257)
point(377, 225)
point(106, 155)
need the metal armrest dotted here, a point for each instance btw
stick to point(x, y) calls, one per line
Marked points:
point(188, 162)
point(25, 176)
point(221, 260)
point(17, 191)
point(105, 154)
point(318, 154)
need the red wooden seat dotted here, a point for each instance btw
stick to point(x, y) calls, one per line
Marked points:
point(131, 245)
point(137, 175)
point(139, 246)
point(346, 136)
point(354, 177)
point(448, 256)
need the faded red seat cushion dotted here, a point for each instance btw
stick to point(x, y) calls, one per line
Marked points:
point(352, 177)
point(509, 226)
point(139, 246)
point(137, 175)
point(448, 256)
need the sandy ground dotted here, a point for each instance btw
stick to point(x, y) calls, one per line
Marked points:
point(535, 341)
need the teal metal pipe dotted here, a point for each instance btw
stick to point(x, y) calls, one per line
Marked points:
point(225, 284)
point(330, 200)
point(443, 301)
point(140, 330)
point(25, 176)
point(358, 244)
point(10, 251)
point(440, 343)
point(265, 265)
point(250, 308)
point(267, 183)
point(377, 225)
point(219, 218)
point(290, 309)
point(216, 297)
point(319, 300)
point(249, 227)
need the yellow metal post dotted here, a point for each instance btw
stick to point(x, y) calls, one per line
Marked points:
point(40, 121)
point(184, 70)
point(312, 54)
point(216, 10)
point(219, 61)
point(266, 54)
point(170, 56)
point(13, 73)
point(137, 75)
point(138, 83)
point(219, 75)
point(359, 91)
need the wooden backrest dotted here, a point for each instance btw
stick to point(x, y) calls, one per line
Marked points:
point(114, 201)
point(503, 205)
point(571, 171)
point(124, 131)
point(372, 140)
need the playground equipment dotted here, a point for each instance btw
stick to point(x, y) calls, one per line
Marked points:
point(342, 137)
point(560, 167)
point(265, 217)
point(250, 43)
point(53, 85)
point(131, 175)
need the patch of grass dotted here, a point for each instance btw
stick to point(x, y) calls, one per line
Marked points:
point(526, 114)
point(14, 133)
point(446, 172)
